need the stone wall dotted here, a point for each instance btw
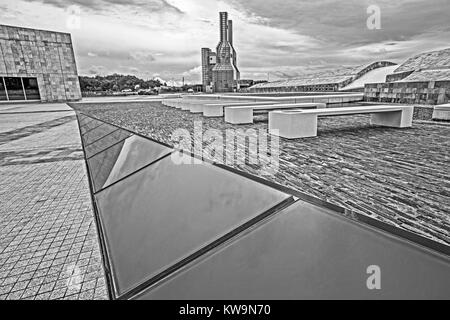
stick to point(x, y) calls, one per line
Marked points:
point(432, 92)
point(45, 55)
point(397, 76)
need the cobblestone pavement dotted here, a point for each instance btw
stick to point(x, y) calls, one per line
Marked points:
point(48, 238)
point(399, 176)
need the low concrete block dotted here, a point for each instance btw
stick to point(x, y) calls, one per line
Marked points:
point(244, 114)
point(183, 106)
point(303, 123)
point(441, 112)
point(212, 111)
point(396, 119)
point(196, 108)
point(292, 124)
point(239, 115)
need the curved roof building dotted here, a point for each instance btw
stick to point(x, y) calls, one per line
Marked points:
point(331, 80)
point(422, 79)
point(428, 66)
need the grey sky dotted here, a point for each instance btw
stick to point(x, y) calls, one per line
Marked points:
point(163, 38)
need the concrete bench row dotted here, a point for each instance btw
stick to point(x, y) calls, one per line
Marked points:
point(294, 124)
point(293, 120)
point(237, 112)
point(213, 105)
point(330, 98)
point(244, 114)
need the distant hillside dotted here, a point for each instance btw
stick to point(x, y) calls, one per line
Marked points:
point(115, 82)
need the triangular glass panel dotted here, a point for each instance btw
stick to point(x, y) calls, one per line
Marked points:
point(164, 213)
point(307, 252)
point(122, 159)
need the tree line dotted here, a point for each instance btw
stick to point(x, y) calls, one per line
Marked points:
point(116, 82)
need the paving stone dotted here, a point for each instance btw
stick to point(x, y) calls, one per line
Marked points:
point(45, 213)
point(5, 289)
point(43, 296)
point(15, 295)
point(58, 293)
point(86, 295)
point(30, 292)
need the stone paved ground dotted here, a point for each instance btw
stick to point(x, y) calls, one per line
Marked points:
point(48, 239)
point(400, 176)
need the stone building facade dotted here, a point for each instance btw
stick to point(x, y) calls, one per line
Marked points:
point(37, 65)
point(423, 92)
point(421, 79)
point(332, 80)
point(208, 62)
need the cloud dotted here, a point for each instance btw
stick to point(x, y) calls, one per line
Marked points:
point(100, 5)
point(96, 70)
point(193, 74)
point(142, 56)
point(280, 38)
point(344, 22)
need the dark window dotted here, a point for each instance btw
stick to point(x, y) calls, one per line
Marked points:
point(31, 88)
point(2, 91)
point(14, 87)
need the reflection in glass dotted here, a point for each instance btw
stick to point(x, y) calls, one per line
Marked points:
point(307, 252)
point(15, 89)
point(123, 159)
point(98, 133)
point(89, 125)
point(166, 211)
point(105, 142)
point(101, 165)
point(31, 88)
point(3, 96)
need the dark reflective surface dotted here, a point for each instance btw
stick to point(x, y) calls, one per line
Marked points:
point(306, 253)
point(15, 88)
point(98, 133)
point(89, 125)
point(31, 88)
point(123, 159)
point(84, 119)
point(101, 165)
point(2, 90)
point(166, 212)
point(105, 142)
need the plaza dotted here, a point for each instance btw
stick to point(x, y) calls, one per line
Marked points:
point(331, 184)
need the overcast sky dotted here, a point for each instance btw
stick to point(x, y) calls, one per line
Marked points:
point(282, 38)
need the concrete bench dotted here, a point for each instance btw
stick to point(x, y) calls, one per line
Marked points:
point(244, 114)
point(441, 112)
point(182, 104)
point(194, 106)
point(216, 109)
point(303, 123)
point(323, 98)
point(171, 103)
point(197, 106)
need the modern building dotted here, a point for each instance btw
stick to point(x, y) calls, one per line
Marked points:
point(219, 69)
point(422, 79)
point(208, 62)
point(37, 65)
point(341, 79)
